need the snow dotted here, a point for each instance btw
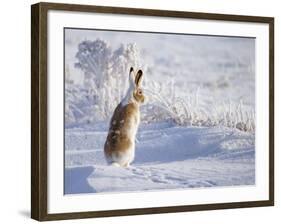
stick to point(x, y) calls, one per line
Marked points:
point(167, 157)
point(197, 127)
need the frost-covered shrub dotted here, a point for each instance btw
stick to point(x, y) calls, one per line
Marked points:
point(166, 105)
point(105, 80)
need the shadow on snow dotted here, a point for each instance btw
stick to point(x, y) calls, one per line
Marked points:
point(75, 180)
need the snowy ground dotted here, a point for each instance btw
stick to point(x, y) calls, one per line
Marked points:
point(167, 157)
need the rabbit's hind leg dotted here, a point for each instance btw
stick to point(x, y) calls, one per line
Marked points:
point(127, 165)
point(115, 164)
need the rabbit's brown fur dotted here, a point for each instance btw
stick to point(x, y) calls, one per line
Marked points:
point(118, 139)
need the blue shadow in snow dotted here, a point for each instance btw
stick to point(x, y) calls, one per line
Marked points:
point(75, 180)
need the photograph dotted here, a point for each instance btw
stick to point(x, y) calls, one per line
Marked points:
point(150, 111)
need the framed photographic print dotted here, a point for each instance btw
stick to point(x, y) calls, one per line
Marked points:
point(140, 111)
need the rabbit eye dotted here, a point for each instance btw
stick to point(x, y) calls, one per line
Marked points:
point(139, 91)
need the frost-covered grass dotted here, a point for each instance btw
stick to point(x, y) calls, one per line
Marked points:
point(82, 108)
point(191, 111)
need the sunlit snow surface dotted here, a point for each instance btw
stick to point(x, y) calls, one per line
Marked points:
point(167, 157)
point(170, 156)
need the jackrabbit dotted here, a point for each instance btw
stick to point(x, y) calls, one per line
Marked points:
point(119, 147)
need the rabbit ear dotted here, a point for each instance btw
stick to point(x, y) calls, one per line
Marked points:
point(138, 79)
point(131, 76)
